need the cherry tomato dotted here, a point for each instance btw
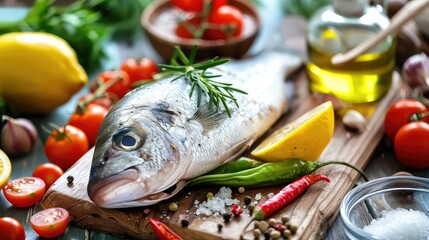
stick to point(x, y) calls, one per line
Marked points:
point(48, 172)
point(120, 86)
point(197, 5)
point(139, 69)
point(11, 229)
point(106, 101)
point(51, 222)
point(412, 145)
point(65, 146)
point(230, 21)
point(24, 192)
point(89, 121)
point(399, 114)
point(184, 30)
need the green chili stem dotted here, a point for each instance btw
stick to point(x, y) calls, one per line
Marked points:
point(364, 176)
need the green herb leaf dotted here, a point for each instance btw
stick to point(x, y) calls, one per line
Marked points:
point(202, 82)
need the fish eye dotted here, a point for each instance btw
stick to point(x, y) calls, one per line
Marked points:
point(126, 139)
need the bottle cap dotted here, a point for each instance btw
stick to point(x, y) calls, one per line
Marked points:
point(350, 7)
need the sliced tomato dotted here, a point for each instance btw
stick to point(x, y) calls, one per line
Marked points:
point(24, 192)
point(51, 222)
point(48, 172)
point(11, 229)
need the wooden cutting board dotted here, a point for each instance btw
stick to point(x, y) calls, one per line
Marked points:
point(313, 212)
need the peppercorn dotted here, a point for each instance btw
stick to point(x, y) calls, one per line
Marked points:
point(256, 224)
point(263, 225)
point(219, 227)
point(287, 233)
point(70, 179)
point(257, 233)
point(173, 207)
point(285, 219)
point(210, 195)
point(275, 235)
point(251, 207)
point(293, 229)
point(247, 200)
point(227, 217)
point(184, 222)
point(272, 222)
point(241, 189)
point(267, 235)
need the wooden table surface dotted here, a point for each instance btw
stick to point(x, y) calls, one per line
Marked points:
point(382, 163)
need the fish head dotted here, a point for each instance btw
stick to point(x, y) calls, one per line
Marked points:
point(135, 160)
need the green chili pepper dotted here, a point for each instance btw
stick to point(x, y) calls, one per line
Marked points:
point(240, 164)
point(267, 174)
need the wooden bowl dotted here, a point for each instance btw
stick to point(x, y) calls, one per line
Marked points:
point(158, 21)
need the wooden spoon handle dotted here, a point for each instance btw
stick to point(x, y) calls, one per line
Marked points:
point(408, 12)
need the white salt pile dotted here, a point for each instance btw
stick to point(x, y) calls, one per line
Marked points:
point(217, 204)
point(400, 224)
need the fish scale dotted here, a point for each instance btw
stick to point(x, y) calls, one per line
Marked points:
point(157, 137)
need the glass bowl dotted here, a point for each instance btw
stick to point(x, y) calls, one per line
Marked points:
point(378, 204)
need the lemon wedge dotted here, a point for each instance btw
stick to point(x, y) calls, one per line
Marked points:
point(5, 168)
point(304, 138)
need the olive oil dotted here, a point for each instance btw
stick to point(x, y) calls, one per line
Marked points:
point(364, 79)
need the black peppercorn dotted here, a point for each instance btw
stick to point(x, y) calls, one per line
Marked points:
point(70, 179)
point(247, 200)
point(227, 217)
point(184, 222)
point(219, 227)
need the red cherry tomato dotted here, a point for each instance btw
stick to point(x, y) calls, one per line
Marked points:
point(230, 21)
point(185, 29)
point(399, 114)
point(11, 229)
point(89, 121)
point(24, 192)
point(120, 86)
point(51, 222)
point(139, 69)
point(197, 5)
point(106, 101)
point(412, 145)
point(65, 146)
point(48, 172)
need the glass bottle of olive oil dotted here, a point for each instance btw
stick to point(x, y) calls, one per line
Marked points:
point(339, 28)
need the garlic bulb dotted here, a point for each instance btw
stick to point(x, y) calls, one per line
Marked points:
point(18, 136)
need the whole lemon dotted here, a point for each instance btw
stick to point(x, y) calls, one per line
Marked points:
point(38, 71)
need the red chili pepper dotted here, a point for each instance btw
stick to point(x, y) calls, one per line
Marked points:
point(286, 195)
point(162, 231)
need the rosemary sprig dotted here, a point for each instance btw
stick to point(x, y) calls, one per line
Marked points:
point(201, 80)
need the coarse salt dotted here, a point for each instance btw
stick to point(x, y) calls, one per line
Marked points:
point(400, 224)
point(217, 204)
point(258, 196)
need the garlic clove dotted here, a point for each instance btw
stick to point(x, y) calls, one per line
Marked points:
point(354, 120)
point(17, 136)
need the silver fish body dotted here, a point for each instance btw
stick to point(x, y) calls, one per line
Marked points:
point(156, 137)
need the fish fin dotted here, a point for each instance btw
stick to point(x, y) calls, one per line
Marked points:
point(238, 149)
point(209, 118)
